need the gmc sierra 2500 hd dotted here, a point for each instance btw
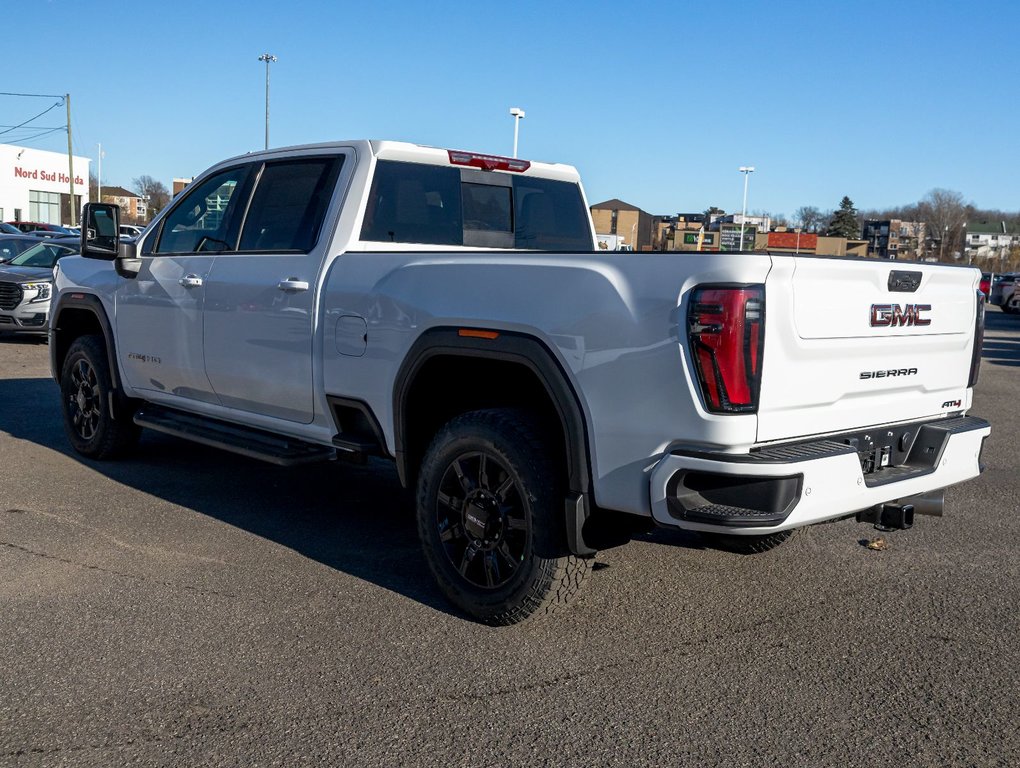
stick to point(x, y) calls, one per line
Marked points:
point(449, 310)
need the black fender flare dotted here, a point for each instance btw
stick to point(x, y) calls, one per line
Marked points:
point(534, 355)
point(92, 304)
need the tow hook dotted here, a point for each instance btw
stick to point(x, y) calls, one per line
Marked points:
point(899, 515)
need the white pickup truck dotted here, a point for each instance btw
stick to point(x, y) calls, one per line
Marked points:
point(449, 310)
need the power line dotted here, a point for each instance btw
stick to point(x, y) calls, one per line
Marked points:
point(52, 106)
point(40, 135)
point(34, 95)
point(35, 127)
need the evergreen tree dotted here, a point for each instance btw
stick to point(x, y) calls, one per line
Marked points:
point(844, 221)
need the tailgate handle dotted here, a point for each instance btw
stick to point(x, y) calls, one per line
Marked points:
point(901, 281)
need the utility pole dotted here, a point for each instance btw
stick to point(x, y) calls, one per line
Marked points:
point(99, 176)
point(70, 160)
point(267, 57)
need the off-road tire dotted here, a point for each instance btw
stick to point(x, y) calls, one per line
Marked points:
point(747, 545)
point(85, 394)
point(525, 524)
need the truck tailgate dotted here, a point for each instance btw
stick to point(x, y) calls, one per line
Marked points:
point(849, 345)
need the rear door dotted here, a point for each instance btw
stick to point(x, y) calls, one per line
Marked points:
point(855, 343)
point(259, 316)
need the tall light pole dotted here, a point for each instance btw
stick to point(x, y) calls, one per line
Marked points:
point(747, 170)
point(518, 114)
point(267, 57)
point(99, 175)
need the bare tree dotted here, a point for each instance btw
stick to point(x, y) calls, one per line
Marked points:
point(155, 192)
point(944, 213)
point(809, 218)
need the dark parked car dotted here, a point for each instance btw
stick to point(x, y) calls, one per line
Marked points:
point(7, 229)
point(12, 245)
point(36, 226)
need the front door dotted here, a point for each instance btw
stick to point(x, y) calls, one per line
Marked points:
point(260, 299)
point(160, 311)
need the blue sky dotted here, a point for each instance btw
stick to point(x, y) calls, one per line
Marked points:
point(655, 103)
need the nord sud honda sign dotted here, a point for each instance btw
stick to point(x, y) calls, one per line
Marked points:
point(58, 177)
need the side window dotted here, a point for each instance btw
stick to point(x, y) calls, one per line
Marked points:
point(206, 219)
point(289, 204)
point(550, 216)
point(414, 203)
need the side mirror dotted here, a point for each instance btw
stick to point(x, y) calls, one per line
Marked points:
point(100, 239)
point(100, 230)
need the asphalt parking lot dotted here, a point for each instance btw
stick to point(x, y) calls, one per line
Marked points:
point(191, 607)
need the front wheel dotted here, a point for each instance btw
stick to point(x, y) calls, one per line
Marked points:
point(490, 517)
point(86, 391)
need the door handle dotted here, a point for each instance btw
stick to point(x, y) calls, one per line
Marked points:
point(191, 281)
point(292, 284)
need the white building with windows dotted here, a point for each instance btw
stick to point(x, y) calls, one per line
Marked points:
point(35, 185)
point(991, 239)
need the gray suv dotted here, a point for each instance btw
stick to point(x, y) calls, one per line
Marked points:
point(26, 285)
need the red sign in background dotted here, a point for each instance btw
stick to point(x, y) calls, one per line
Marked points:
point(789, 240)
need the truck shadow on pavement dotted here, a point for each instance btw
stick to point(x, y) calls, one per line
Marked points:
point(354, 518)
point(999, 349)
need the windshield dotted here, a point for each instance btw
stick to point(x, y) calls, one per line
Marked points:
point(44, 255)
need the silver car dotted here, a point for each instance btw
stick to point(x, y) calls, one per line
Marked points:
point(26, 285)
point(1003, 289)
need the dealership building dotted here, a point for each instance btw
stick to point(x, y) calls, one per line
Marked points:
point(35, 185)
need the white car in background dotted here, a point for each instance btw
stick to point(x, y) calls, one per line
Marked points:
point(129, 230)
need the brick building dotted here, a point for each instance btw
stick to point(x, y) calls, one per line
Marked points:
point(894, 238)
point(132, 205)
point(615, 217)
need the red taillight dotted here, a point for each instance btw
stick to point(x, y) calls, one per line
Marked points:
point(979, 340)
point(488, 162)
point(726, 328)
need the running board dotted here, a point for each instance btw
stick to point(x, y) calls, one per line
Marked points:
point(254, 443)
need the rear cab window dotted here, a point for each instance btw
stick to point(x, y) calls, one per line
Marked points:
point(418, 203)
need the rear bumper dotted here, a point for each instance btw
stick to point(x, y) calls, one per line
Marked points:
point(782, 487)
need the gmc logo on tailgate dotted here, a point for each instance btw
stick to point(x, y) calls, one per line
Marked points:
point(892, 315)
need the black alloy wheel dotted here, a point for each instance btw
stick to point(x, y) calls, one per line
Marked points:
point(482, 520)
point(490, 517)
point(97, 419)
point(83, 400)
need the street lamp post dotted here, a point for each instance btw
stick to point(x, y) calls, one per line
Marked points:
point(518, 114)
point(267, 57)
point(99, 175)
point(747, 170)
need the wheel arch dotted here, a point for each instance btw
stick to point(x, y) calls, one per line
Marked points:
point(80, 314)
point(518, 353)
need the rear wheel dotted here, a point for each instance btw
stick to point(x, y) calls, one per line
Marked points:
point(87, 395)
point(490, 518)
point(747, 545)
